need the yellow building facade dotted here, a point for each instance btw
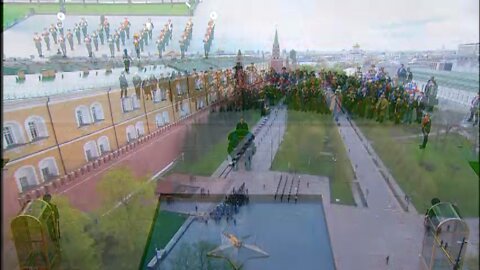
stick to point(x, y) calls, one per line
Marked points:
point(46, 138)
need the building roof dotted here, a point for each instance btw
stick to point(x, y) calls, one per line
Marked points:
point(72, 82)
point(444, 212)
point(166, 187)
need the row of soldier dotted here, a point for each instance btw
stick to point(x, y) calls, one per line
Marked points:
point(186, 38)
point(162, 42)
point(150, 84)
point(102, 34)
point(208, 39)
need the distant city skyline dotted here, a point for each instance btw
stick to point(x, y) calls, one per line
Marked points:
point(336, 25)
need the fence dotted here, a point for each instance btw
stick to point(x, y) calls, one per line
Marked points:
point(462, 97)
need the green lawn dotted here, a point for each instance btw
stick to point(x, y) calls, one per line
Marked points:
point(312, 145)
point(205, 145)
point(442, 170)
point(11, 12)
point(166, 224)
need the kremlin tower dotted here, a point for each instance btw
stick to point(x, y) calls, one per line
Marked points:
point(276, 62)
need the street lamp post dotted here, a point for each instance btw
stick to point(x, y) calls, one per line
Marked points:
point(457, 261)
point(62, 6)
point(271, 150)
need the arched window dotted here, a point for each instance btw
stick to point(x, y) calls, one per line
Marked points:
point(163, 93)
point(166, 118)
point(26, 178)
point(83, 115)
point(131, 134)
point(140, 129)
point(127, 104)
point(200, 103)
point(159, 120)
point(36, 128)
point(90, 150)
point(199, 83)
point(103, 145)
point(156, 96)
point(179, 89)
point(185, 109)
point(135, 102)
point(97, 112)
point(12, 134)
point(48, 168)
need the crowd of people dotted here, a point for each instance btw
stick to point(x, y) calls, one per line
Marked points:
point(230, 205)
point(371, 95)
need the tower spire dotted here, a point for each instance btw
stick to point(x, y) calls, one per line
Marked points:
point(275, 42)
point(276, 62)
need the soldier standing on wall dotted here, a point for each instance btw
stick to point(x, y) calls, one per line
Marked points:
point(159, 47)
point(95, 40)
point(84, 25)
point(136, 43)
point(63, 46)
point(70, 38)
point(140, 40)
point(126, 25)
point(46, 38)
point(137, 83)
point(100, 34)
point(123, 85)
point(111, 45)
point(150, 28)
point(106, 27)
point(116, 38)
point(38, 44)
point(60, 27)
point(126, 61)
point(145, 34)
point(53, 31)
point(76, 30)
point(88, 44)
point(122, 34)
point(146, 88)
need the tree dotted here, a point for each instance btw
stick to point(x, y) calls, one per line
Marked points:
point(124, 229)
point(78, 250)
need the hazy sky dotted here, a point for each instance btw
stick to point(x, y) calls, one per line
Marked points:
point(338, 24)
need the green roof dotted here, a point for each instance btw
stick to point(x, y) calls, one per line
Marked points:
point(35, 208)
point(443, 211)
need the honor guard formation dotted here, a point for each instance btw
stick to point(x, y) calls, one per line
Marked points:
point(116, 38)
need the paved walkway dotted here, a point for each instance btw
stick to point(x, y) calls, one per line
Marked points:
point(268, 140)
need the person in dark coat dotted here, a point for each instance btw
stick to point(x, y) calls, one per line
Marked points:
point(426, 125)
point(123, 85)
point(137, 83)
